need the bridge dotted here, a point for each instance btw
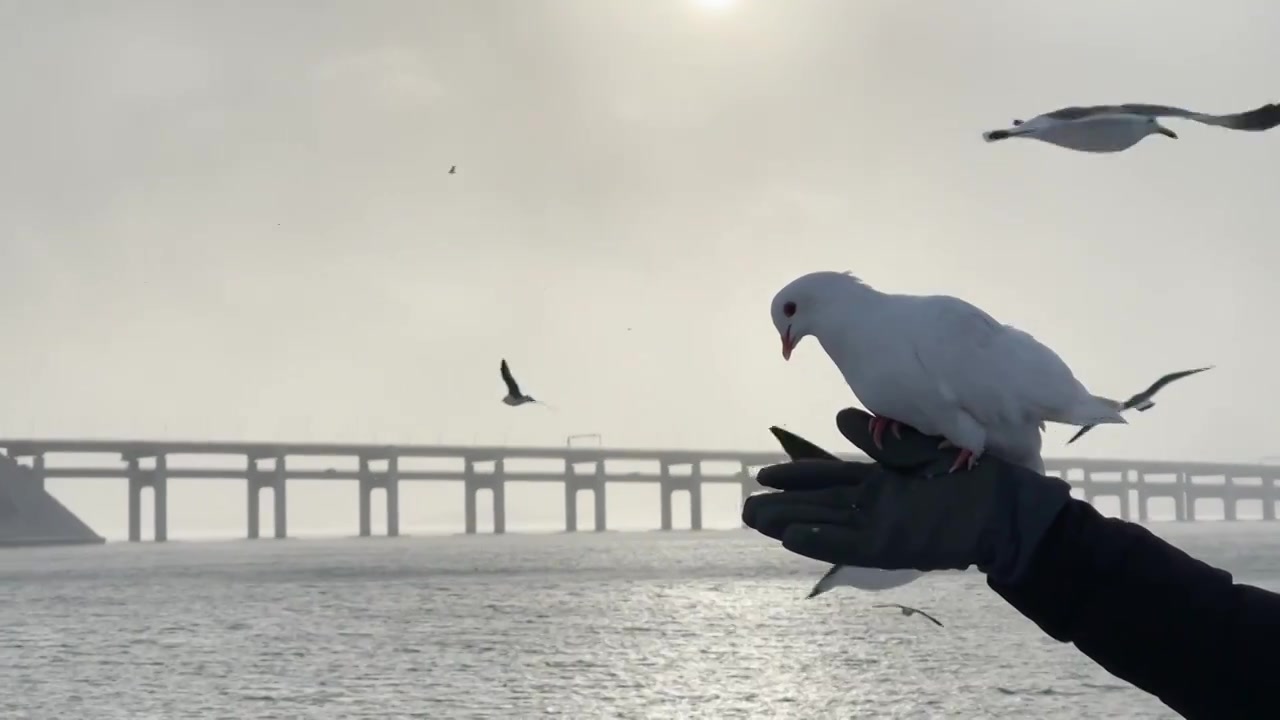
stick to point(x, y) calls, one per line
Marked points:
point(152, 464)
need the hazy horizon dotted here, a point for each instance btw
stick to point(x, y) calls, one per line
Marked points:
point(226, 221)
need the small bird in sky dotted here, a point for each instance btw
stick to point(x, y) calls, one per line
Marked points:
point(1142, 402)
point(514, 396)
point(909, 611)
point(453, 169)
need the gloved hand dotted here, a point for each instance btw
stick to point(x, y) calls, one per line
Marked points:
point(904, 510)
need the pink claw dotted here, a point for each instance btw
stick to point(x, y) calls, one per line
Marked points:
point(877, 426)
point(966, 458)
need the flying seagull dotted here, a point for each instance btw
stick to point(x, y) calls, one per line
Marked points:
point(1113, 128)
point(453, 169)
point(514, 396)
point(1142, 402)
point(909, 611)
point(797, 448)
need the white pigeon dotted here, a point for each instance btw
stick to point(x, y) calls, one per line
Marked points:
point(939, 365)
point(1113, 128)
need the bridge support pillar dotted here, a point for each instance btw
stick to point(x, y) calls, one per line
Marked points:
point(499, 507)
point(157, 480)
point(1268, 503)
point(570, 506)
point(160, 500)
point(135, 502)
point(253, 504)
point(391, 484)
point(695, 497)
point(602, 515)
point(496, 483)
point(279, 492)
point(575, 483)
point(365, 489)
point(469, 503)
point(1181, 501)
point(667, 491)
point(571, 491)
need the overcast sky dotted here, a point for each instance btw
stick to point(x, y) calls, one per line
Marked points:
point(234, 220)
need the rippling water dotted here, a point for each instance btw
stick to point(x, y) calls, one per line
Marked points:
point(646, 625)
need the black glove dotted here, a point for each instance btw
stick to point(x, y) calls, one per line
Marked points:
point(905, 510)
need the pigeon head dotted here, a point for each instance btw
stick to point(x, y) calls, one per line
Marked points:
point(1154, 128)
point(803, 307)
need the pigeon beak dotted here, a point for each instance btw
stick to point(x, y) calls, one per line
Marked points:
point(1169, 133)
point(787, 344)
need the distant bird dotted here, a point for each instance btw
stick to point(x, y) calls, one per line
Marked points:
point(939, 365)
point(453, 169)
point(1142, 402)
point(514, 396)
point(909, 611)
point(1113, 128)
point(872, 579)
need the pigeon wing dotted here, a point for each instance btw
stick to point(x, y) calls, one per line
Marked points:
point(507, 378)
point(998, 374)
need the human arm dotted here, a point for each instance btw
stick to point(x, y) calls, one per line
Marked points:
point(1152, 615)
point(1139, 607)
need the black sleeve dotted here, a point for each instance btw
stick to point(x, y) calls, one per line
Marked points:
point(1154, 616)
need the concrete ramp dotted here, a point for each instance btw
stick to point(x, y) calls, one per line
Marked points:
point(30, 516)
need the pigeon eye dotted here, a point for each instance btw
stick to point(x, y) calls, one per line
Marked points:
point(789, 308)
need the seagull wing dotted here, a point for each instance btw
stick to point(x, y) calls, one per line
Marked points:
point(1262, 118)
point(892, 605)
point(932, 618)
point(1155, 386)
point(1145, 395)
point(512, 387)
point(1258, 119)
point(1076, 112)
point(1080, 432)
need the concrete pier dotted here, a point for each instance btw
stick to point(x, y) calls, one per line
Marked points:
point(274, 477)
point(1133, 486)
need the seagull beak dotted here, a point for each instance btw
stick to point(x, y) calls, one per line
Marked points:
point(1166, 131)
point(787, 344)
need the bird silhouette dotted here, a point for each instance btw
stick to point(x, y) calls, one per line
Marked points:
point(453, 169)
point(909, 611)
point(514, 396)
point(1142, 402)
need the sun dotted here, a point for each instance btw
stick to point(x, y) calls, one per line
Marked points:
point(715, 5)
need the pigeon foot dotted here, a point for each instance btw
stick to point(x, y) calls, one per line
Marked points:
point(877, 426)
point(965, 458)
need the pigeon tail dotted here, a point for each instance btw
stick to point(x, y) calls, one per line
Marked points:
point(1096, 410)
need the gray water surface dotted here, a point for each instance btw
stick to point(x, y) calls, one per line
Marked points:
point(644, 625)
